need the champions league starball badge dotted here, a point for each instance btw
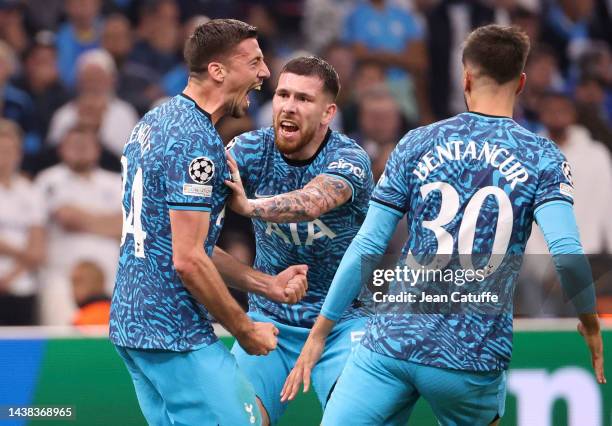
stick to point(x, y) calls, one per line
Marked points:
point(201, 170)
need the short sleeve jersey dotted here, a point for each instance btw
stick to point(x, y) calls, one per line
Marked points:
point(174, 159)
point(320, 243)
point(468, 185)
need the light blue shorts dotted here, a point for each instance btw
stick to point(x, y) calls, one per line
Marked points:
point(199, 387)
point(268, 373)
point(375, 389)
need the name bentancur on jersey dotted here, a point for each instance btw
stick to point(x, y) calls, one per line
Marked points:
point(500, 158)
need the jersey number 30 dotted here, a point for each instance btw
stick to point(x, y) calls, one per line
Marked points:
point(132, 222)
point(448, 210)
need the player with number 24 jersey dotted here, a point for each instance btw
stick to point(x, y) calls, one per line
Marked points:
point(174, 159)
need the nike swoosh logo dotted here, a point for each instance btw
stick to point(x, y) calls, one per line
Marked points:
point(263, 196)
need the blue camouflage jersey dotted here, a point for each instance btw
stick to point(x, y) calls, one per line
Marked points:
point(174, 159)
point(469, 185)
point(320, 243)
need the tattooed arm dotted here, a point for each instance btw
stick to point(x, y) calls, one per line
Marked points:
point(320, 195)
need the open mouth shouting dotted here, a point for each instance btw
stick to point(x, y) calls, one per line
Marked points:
point(288, 129)
point(246, 97)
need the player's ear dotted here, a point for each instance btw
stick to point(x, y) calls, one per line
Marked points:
point(467, 81)
point(521, 83)
point(329, 113)
point(217, 72)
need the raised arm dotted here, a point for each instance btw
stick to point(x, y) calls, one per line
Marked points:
point(287, 287)
point(558, 224)
point(202, 280)
point(320, 195)
point(372, 239)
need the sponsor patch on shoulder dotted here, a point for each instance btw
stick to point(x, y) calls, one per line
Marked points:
point(566, 189)
point(197, 190)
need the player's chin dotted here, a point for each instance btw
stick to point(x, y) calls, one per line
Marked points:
point(287, 146)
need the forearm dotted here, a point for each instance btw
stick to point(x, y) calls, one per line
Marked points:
point(37, 248)
point(321, 328)
point(296, 206)
point(558, 224)
point(322, 194)
point(14, 273)
point(9, 251)
point(108, 225)
point(203, 281)
point(372, 239)
point(238, 275)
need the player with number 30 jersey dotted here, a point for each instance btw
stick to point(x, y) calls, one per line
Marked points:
point(470, 186)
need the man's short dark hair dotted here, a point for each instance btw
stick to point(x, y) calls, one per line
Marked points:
point(313, 66)
point(212, 40)
point(498, 52)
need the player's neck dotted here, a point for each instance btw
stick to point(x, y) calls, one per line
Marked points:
point(491, 103)
point(207, 98)
point(311, 147)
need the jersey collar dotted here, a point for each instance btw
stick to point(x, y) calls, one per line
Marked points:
point(195, 104)
point(482, 114)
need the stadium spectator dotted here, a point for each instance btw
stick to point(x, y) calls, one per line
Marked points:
point(22, 241)
point(159, 33)
point(570, 26)
point(591, 172)
point(322, 22)
point(380, 126)
point(83, 220)
point(81, 33)
point(42, 83)
point(43, 15)
point(544, 76)
point(89, 294)
point(96, 80)
point(448, 25)
point(528, 20)
point(12, 29)
point(367, 74)
point(380, 31)
point(15, 104)
point(592, 114)
point(136, 83)
point(597, 63)
point(340, 56)
point(117, 38)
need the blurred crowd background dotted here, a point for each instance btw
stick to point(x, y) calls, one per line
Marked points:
point(76, 75)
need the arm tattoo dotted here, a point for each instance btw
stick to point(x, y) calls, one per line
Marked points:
point(319, 196)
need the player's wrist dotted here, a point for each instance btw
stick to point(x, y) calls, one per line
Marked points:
point(251, 208)
point(243, 329)
point(260, 283)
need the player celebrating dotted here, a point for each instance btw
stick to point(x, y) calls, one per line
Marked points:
point(174, 169)
point(311, 187)
point(471, 185)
